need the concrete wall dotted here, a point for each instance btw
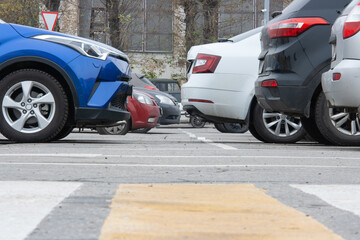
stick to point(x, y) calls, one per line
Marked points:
point(165, 65)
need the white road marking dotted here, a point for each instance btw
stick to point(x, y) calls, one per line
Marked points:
point(70, 155)
point(238, 157)
point(220, 145)
point(345, 197)
point(175, 165)
point(208, 141)
point(190, 134)
point(24, 204)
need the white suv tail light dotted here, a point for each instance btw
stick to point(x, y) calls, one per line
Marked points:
point(206, 63)
point(352, 23)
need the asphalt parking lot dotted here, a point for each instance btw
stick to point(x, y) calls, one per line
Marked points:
point(85, 187)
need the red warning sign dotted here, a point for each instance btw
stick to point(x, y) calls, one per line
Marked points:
point(50, 19)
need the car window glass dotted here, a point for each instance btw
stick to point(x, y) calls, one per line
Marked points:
point(173, 87)
point(141, 82)
point(147, 82)
point(1, 21)
point(137, 82)
point(162, 87)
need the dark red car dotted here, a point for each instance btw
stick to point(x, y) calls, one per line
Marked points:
point(144, 115)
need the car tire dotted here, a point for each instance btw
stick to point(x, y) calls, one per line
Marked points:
point(34, 106)
point(121, 129)
point(63, 133)
point(197, 122)
point(255, 134)
point(220, 127)
point(311, 128)
point(276, 127)
point(236, 127)
point(141, 130)
point(336, 125)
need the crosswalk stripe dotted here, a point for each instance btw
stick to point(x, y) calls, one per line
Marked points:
point(24, 204)
point(345, 197)
point(206, 211)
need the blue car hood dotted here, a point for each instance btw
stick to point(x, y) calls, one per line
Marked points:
point(27, 32)
point(30, 31)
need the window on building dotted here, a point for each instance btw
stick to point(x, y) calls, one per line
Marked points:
point(151, 28)
point(235, 16)
point(238, 16)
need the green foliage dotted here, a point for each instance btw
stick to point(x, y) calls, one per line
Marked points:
point(125, 19)
point(25, 12)
point(149, 74)
point(179, 78)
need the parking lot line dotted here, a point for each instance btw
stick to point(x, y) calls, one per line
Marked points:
point(120, 156)
point(208, 141)
point(177, 165)
point(220, 145)
point(72, 155)
point(190, 211)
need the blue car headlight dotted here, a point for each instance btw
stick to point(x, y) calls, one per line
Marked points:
point(84, 46)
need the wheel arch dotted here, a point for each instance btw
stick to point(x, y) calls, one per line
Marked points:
point(314, 86)
point(251, 109)
point(131, 122)
point(315, 95)
point(46, 66)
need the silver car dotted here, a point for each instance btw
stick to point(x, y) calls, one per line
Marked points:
point(341, 84)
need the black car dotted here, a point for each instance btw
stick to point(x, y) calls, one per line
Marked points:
point(295, 53)
point(170, 111)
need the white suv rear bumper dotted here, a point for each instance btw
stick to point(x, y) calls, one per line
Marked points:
point(344, 92)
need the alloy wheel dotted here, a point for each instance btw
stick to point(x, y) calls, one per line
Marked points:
point(28, 106)
point(116, 130)
point(345, 122)
point(280, 124)
point(197, 122)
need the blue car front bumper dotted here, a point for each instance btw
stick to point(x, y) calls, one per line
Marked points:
point(104, 100)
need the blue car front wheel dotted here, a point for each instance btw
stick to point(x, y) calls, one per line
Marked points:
point(34, 106)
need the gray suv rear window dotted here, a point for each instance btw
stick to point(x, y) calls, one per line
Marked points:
point(297, 5)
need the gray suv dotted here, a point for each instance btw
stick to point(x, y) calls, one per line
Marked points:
point(295, 53)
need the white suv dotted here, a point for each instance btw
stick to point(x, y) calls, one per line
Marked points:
point(220, 89)
point(341, 84)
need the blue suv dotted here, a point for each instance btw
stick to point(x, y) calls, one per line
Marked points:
point(51, 83)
